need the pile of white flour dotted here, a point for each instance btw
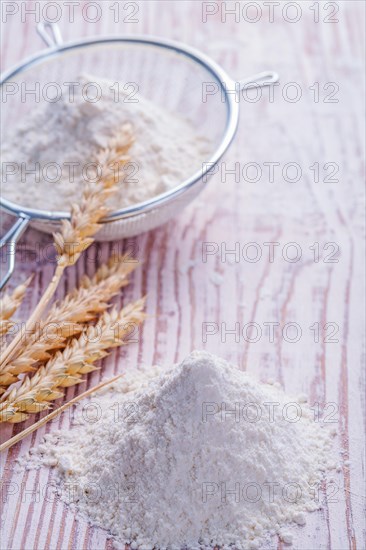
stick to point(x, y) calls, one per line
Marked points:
point(45, 157)
point(194, 456)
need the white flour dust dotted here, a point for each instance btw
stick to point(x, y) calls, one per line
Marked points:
point(194, 456)
point(45, 157)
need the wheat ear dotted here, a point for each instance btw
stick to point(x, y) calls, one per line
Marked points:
point(56, 412)
point(64, 318)
point(77, 234)
point(9, 303)
point(67, 368)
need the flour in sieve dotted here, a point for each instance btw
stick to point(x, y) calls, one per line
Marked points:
point(57, 140)
point(194, 456)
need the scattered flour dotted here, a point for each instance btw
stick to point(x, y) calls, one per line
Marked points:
point(65, 136)
point(194, 456)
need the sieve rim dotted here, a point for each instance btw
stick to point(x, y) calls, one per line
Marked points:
point(221, 77)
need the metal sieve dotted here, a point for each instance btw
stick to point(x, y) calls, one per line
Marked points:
point(170, 74)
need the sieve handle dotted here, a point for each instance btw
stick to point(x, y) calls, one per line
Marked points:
point(266, 78)
point(50, 33)
point(10, 239)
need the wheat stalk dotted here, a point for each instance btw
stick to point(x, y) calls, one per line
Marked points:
point(65, 318)
point(77, 234)
point(67, 368)
point(9, 303)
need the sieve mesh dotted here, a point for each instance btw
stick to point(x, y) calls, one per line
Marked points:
point(169, 78)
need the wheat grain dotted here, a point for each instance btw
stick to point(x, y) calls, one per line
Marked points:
point(67, 368)
point(9, 303)
point(38, 348)
point(65, 318)
point(78, 232)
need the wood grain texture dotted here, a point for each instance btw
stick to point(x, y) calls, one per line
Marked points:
point(185, 292)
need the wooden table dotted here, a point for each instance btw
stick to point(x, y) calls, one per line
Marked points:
point(298, 236)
